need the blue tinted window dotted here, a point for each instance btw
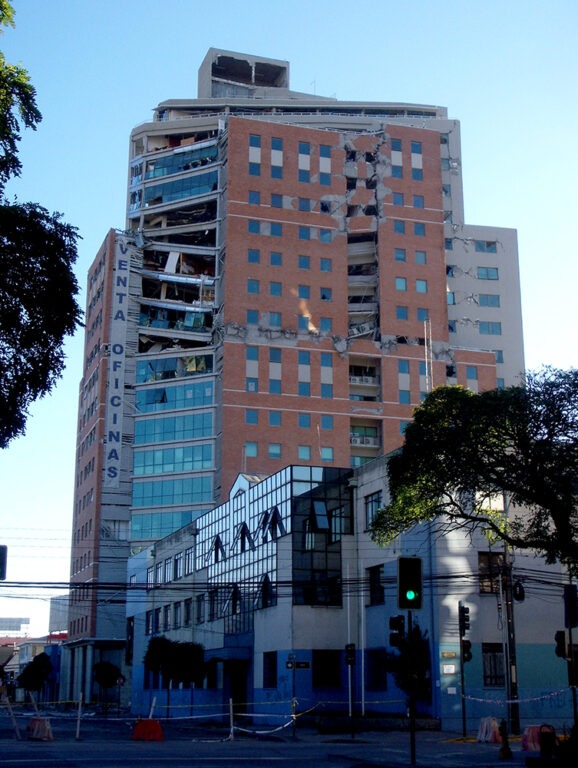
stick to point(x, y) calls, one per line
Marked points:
point(418, 201)
point(304, 291)
point(251, 353)
point(275, 418)
point(304, 357)
point(327, 390)
point(397, 171)
point(416, 147)
point(275, 319)
point(325, 265)
point(253, 256)
point(304, 204)
point(254, 140)
point(303, 262)
point(420, 257)
point(274, 355)
point(417, 175)
point(254, 198)
point(276, 201)
point(253, 226)
point(404, 397)
point(419, 229)
point(324, 150)
point(489, 300)
point(252, 285)
point(326, 325)
point(303, 175)
point(254, 169)
point(399, 226)
point(326, 421)
point(304, 233)
point(276, 229)
point(251, 416)
point(304, 388)
point(403, 366)
point(252, 317)
point(422, 314)
point(401, 313)
point(398, 198)
point(276, 171)
point(304, 420)
point(275, 289)
point(275, 386)
point(400, 284)
point(326, 360)
point(276, 143)
point(304, 148)
point(275, 259)
point(396, 145)
point(399, 254)
point(325, 179)
point(325, 235)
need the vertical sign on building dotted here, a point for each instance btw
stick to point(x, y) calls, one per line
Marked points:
point(116, 363)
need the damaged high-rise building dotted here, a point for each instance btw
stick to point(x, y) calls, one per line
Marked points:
point(296, 273)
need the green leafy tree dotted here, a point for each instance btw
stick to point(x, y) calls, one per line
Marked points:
point(35, 673)
point(464, 453)
point(107, 674)
point(38, 288)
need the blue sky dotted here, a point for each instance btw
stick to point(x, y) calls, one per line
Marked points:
point(506, 70)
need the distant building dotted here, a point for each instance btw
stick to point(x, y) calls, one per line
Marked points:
point(296, 273)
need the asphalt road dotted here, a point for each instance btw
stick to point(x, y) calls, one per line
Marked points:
point(108, 744)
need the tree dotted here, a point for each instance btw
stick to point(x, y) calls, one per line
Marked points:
point(464, 453)
point(411, 667)
point(107, 674)
point(38, 288)
point(35, 673)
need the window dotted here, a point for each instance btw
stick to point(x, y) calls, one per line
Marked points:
point(401, 313)
point(304, 148)
point(274, 355)
point(327, 454)
point(472, 372)
point(303, 262)
point(276, 229)
point(303, 292)
point(253, 227)
point(326, 669)
point(404, 397)
point(251, 353)
point(327, 390)
point(304, 420)
point(325, 294)
point(398, 198)
point(420, 257)
point(485, 246)
point(253, 256)
point(275, 418)
point(416, 147)
point(200, 609)
point(274, 386)
point(400, 284)
point(276, 201)
point(325, 206)
point(304, 388)
point(451, 326)
point(422, 314)
point(451, 298)
point(326, 421)
point(304, 233)
point(489, 300)
point(399, 226)
point(326, 360)
point(275, 289)
point(403, 425)
point(275, 259)
point(303, 322)
point(252, 317)
point(252, 285)
point(490, 329)
point(419, 229)
point(325, 325)
point(303, 175)
point(188, 611)
point(277, 173)
point(274, 450)
point(304, 452)
point(275, 319)
point(251, 416)
point(372, 503)
point(399, 254)
point(418, 201)
point(270, 669)
point(324, 150)
point(421, 286)
point(254, 169)
point(325, 265)
point(397, 171)
point(178, 566)
point(304, 204)
point(177, 613)
point(487, 273)
point(449, 244)
point(403, 366)
point(499, 353)
point(189, 561)
point(250, 450)
point(396, 145)
point(376, 585)
point(325, 236)
point(254, 140)
point(325, 179)
point(417, 175)
point(254, 198)
point(500, 383)
point(251, 385)
point(493, 665)
point(276, 143)
point(490, 567)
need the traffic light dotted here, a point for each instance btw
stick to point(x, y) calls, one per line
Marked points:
point(350, 654)
point(396, 631)
point(409, 590)
point(3, 559)
point(560, 640)
point(466, 651)
point(464, 619)
point(570, 606)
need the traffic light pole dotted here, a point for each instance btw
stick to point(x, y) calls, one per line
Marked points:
point(411, 702)
point(463, 690)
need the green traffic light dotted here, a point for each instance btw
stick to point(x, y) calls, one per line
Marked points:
point(410, 594)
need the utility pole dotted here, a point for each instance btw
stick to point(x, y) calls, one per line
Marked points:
point(512, 669)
